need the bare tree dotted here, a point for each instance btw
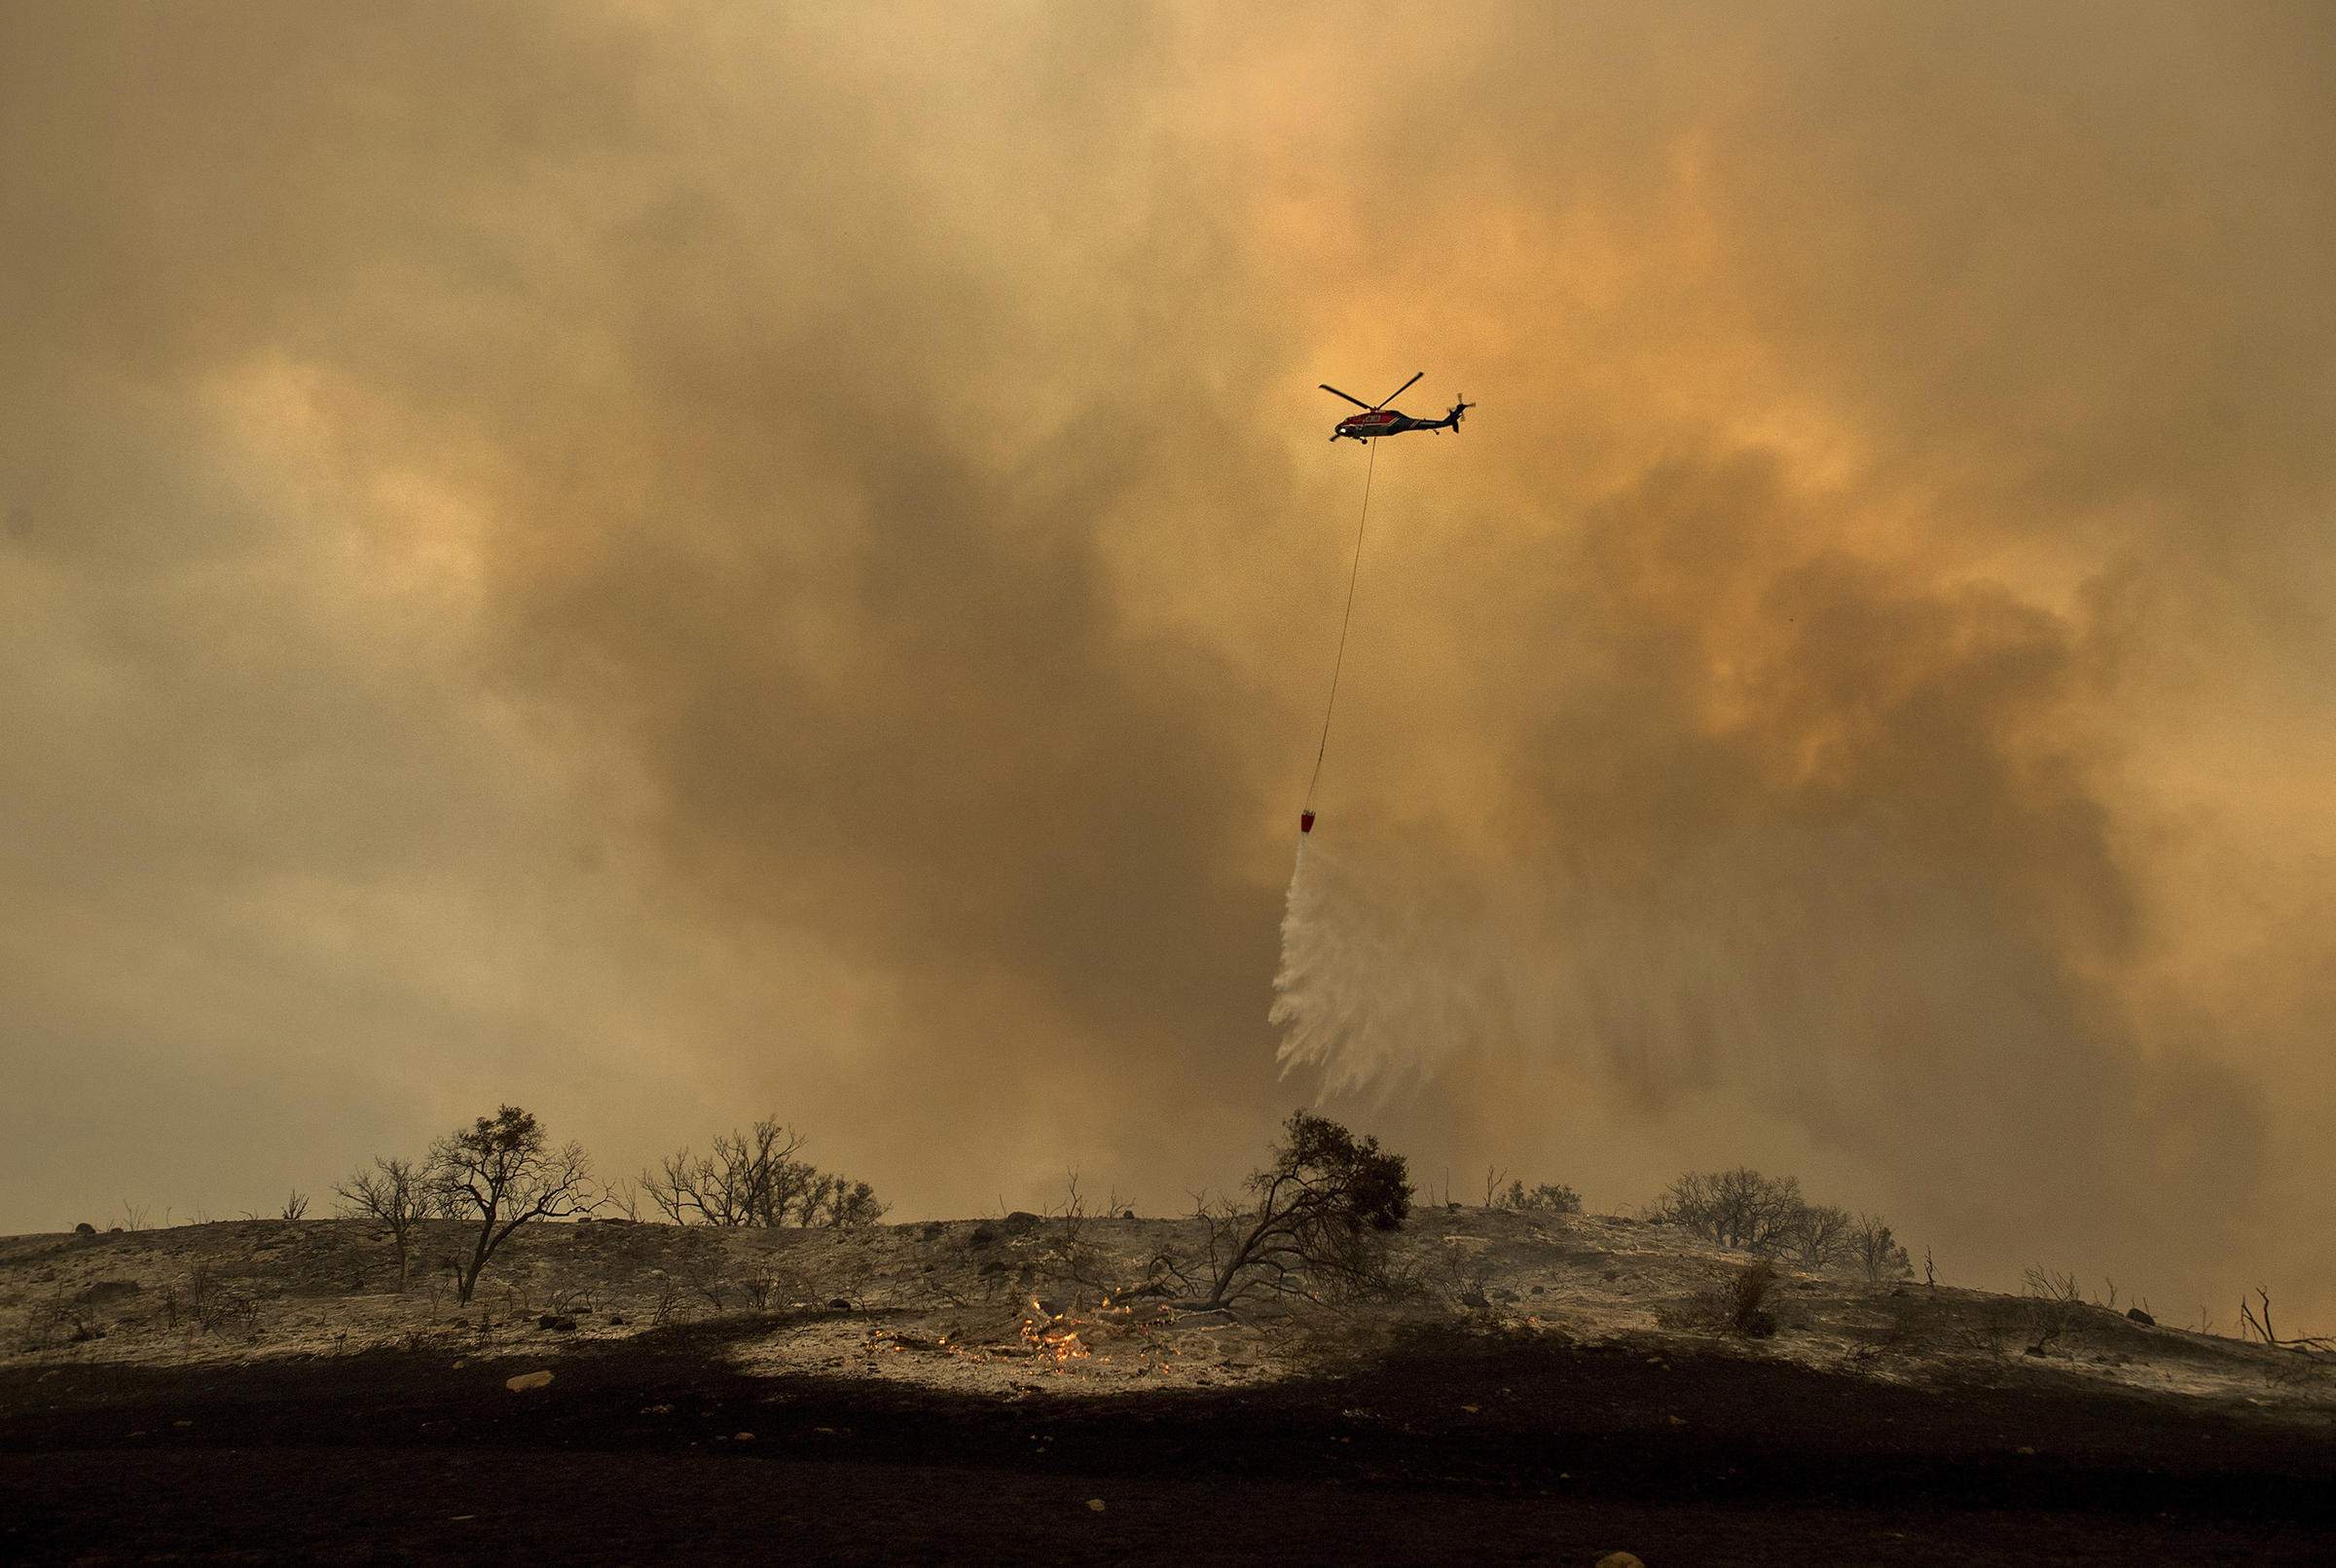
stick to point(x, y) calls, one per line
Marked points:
point(1872, 1249)
point(674, 1186)
point(2056, 1297)
point(1818, 1236)
point(295, 1206)
point(1740, 1208)
point(2253, 1325)
point(395, 1196)
point(1320, 1209)
point(502, 1172)
point(1733, 1304)
point(753, 1179)
point(624, 1196)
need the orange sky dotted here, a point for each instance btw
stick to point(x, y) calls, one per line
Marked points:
point(670, 562)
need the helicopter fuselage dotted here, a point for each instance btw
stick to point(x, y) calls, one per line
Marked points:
point(1386, 422)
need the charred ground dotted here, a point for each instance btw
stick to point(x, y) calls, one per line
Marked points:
point(927, 1418)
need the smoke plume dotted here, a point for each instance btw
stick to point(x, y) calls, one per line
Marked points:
point(665, 564)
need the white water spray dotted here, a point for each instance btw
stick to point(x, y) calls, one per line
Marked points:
point(1371, 989)
point(1392, 966)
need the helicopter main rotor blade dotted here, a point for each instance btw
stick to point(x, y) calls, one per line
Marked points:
point(1349, 396)
point(1391, 396)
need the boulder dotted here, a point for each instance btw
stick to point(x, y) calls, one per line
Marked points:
point(527, 1380)
point(1021, 1222)
point(557, 1322)
point(84, 1228)
point(2140, 1317)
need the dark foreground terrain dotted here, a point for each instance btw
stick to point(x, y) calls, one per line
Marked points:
point(1456, 1448)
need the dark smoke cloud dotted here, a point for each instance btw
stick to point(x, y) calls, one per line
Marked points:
point(1809, 834)
point(666, 566)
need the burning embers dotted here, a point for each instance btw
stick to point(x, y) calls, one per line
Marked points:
point(1050, 1336)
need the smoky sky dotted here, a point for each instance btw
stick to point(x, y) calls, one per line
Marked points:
point(671, 563)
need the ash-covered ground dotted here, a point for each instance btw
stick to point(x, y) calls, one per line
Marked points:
point(1540, 1386)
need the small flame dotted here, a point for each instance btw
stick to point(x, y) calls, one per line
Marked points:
point(1046, 1336)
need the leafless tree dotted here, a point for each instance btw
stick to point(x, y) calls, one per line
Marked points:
point(1734, 1303)
point(502, 1172)
point(753, 1179)
point(297, 1205)
point(2056, 1297)
point(396, 1196)
point(705, 1273)
point(1740, 1208)
point(1818, 1236)
point(1319, 1213)
point(1872, 1249)
point(624, 1196)
point(2254, 1324)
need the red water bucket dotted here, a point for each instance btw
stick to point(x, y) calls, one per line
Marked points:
point(1305, 821)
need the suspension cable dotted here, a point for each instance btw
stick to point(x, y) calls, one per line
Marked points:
point(1339, 663)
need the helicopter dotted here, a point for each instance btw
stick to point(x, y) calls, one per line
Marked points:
point(1379, 419)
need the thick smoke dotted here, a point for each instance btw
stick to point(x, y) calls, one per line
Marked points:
point(1803, 831)
point(671, 563)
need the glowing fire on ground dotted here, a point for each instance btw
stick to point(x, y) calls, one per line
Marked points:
point(1046, 1336)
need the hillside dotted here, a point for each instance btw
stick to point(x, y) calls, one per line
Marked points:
point(1024, 1302)
point(1546, 1385)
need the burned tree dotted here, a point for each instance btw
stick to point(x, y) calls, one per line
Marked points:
point(840, 1203)
point(1876, 1251)
point(1819, 1236)
point(1547, 1198)
point(1740, 1209)
point(753, 1179)
point(396, 1195)
point(502, 1172)
point(1747, 1211)
point(1318, 1216)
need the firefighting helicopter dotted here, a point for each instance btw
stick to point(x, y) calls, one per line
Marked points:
point(1379, 419)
